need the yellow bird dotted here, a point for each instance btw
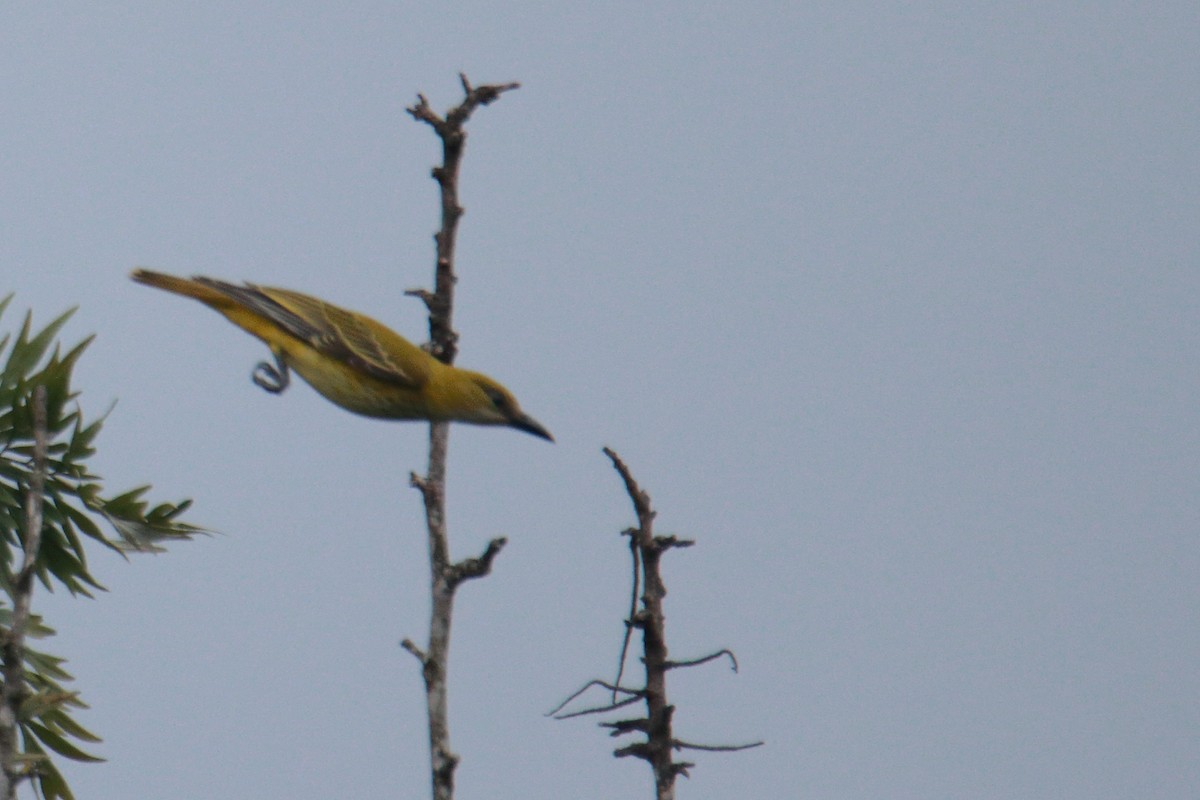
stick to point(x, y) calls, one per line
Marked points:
point(350, 359)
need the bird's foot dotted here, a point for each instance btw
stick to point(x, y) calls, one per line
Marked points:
point(272, 377)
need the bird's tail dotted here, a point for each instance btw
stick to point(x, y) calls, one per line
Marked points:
point(184, 286)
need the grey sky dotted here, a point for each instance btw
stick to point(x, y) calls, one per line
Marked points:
point(893, 308)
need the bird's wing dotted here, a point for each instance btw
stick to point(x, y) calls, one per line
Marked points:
point(350, 338)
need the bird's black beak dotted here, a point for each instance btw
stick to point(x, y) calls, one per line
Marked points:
point(530, 425)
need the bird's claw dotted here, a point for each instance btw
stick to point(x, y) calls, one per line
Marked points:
point(272, 377)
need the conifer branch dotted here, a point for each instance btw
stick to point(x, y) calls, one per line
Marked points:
point(13, 768)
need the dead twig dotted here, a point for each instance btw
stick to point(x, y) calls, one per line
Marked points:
point(449, 128)
point(695, 662)
point(646, 614)
point(470, 568)
point(716, 748)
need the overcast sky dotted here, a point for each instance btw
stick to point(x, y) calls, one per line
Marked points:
point(892, 307)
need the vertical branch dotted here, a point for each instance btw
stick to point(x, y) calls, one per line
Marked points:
point(444, 575)
point(656, 749)
point(12, 772)
point(660, 742)
point(443, 338)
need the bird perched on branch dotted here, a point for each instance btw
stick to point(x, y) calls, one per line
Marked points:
point(350, 359)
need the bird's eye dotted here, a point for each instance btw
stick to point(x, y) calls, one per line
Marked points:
point(497, 398)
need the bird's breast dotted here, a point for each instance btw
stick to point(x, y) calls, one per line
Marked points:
point(354, 390)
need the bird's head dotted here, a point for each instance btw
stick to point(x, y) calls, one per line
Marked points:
point(489, 403)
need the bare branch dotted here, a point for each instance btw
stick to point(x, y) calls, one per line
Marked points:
point(704, 660)
point(621, 727)
point(423, 112)
point(417, 652)
point(715, 748)
point(651, 620)
point(614, 688)
point(667, 542)
point(470, 568)
point(641, 500)
point(443, 338)
point(637, 750)
point(634, 587)
point(613, 706)
point(424, 295)
point(659, 744)
point(445, 576)
point(474, 96)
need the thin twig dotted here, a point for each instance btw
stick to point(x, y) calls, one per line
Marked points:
point(417, 652)
point(641, 500)
point(634, 587)
point(604, 709)
point(614, 688)
point(695, 662)
point(715, 748)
